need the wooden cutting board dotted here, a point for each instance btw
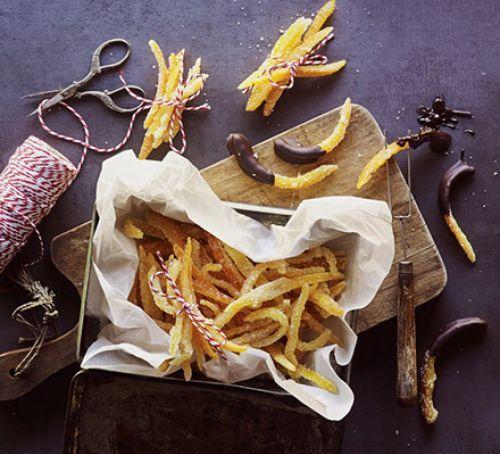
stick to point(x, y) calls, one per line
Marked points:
point(363, 139)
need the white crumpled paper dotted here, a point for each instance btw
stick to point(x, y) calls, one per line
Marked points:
point(130, 341)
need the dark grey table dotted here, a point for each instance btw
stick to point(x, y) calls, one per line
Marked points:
point(400, 54)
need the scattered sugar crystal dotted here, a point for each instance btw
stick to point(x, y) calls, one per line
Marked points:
point(261, 38)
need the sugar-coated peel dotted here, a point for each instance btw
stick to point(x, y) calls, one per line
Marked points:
point(268, 305)
point(287, 60)
point(161, 124)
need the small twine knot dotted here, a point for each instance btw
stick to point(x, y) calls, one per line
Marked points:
point(199, 321)
point(50, 317)
point(43, 299)
point(312, 58)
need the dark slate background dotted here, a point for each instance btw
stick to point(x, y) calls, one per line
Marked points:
point(400, 54)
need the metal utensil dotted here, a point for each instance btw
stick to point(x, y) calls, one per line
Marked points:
point(74, 90)
point(406, 380)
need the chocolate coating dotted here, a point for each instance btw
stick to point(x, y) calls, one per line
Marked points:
point(439, 114)
point(292, 151)
point(439, 141)
point(451, 330)
point(455, 171)
point(239, 146)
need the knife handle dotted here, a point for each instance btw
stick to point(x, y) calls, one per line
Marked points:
point(406, 386)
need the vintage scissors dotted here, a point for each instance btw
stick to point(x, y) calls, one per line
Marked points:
point(74, 90)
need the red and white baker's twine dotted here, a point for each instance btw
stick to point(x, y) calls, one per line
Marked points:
point(30, 185)
point(312, 58)
point(200, 322)
point(179, 104)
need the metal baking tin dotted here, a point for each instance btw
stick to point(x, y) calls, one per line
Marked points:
point(84, 382)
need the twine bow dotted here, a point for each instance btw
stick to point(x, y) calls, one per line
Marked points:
point(43, 299)
point(312, 58)
point(200, 322)
point(178, 103)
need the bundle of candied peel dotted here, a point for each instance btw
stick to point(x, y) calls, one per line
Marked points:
point(164, 119)
point(267, 84)
point(277, 306)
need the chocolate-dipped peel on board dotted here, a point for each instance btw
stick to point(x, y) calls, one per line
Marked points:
point(457, 170)
point(462, 326)
point(239, 146)
point(292, 151)
point(439, 142)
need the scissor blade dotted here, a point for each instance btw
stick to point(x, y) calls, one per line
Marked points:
point(50, 103)
point(41, 94)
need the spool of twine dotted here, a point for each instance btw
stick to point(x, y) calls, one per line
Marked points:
point(34, 179)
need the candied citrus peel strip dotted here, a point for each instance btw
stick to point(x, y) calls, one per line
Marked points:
point(304, 181)
point(295, 43)
point(162, 80)
point(461, 237)
point(378, 161)
point(170, 80)
point(317, 379)
point(340, 129)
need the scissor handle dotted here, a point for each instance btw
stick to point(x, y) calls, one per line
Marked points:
point(106, 97)
point(97, 68)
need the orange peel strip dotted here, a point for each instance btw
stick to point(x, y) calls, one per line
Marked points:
point(462, 239)
point(378, 161)
point(340, 129)
point(304, 181)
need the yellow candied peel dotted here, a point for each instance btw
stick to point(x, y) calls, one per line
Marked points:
point(462, 239)
point(320, 341)
point(327, 303)
point(378, 161)
point(340, 129)
point(160, 124)
point(280, 358)
point(304, 181)
point(296, 316)
point(321, 70)
point(316, 378)
point(262, 316)
point(295, 43)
